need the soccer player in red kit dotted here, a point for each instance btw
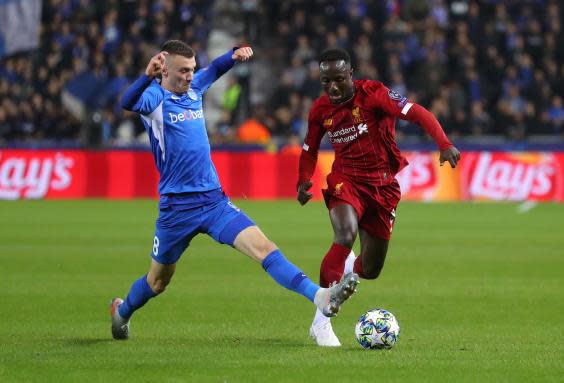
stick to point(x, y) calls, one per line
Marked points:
point(362, 194)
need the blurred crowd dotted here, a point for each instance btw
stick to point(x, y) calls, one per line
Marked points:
point(105, 45)
point(484, 68)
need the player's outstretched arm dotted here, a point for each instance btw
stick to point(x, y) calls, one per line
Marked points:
point(220, 65)
point(422, 117)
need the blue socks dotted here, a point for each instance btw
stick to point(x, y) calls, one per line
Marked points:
point(275, 264)
point(139, 294)
point(288, 275)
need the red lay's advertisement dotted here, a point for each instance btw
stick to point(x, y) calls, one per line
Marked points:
point(71, 174)
point(513, 176)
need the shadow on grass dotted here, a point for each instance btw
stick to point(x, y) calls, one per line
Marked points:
point(268, 342)
point(86, 341)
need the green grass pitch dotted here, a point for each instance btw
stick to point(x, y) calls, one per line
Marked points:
point(477, 288)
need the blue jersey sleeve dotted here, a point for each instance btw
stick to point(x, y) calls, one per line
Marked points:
point(206, 76)
point(140, 97)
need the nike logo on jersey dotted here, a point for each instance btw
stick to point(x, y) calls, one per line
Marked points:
point(192, 95)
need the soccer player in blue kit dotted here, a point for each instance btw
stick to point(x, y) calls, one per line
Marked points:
point(191, 198)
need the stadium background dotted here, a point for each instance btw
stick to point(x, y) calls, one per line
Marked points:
point(492, 72)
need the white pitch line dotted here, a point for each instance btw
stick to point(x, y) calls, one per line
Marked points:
point(526, 206)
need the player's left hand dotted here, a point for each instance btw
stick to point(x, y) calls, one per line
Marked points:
point(242, 54)
point(303, 194)
point(452, 155)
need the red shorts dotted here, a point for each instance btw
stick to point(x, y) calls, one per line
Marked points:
point(375, 205)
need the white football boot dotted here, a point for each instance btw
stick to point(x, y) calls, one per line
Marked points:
point(120, 325)
point(321, 330)
point(322, 333)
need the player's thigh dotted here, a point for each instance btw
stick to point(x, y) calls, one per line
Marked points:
point(253, 243)
point(173, 232)
point(380, 215)
point(376, 227)
point(344, 218)
point(227, 224)
point(373, 250)
point(342, 198)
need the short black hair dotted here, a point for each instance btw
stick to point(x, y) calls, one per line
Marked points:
point(177, 47)
point(334, 54)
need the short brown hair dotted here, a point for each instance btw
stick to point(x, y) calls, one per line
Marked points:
point(177, 47)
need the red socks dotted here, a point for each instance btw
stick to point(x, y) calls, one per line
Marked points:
point(333, 264)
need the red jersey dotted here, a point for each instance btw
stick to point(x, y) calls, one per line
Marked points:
point(362, 133)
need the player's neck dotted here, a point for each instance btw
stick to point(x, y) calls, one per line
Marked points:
point(170, 88)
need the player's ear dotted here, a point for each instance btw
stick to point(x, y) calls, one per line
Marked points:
point(164, 69)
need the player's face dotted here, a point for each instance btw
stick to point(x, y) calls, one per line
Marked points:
point(336, 80)
point(178, 73)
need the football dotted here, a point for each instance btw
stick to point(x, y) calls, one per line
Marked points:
point(377, 329)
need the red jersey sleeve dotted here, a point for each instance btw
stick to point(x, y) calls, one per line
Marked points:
point(420, 116)
point(396, 105)
point(308, 157)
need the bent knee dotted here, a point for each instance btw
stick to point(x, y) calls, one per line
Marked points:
point(265, 247)
point(345, 237)
point(371, 272)
point(158, 285)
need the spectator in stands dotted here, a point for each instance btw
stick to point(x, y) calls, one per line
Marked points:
point(555, 115)
point(253, 130)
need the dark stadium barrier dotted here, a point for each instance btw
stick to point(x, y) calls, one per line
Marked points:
point(72, 174)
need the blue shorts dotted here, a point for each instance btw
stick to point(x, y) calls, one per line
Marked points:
point(177, 225)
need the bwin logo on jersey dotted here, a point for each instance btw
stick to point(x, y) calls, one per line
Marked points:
point(187, 115)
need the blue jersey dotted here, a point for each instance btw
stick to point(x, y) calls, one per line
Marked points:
point(177, 129)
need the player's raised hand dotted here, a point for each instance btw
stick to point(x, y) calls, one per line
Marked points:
point(452, 155)
point(156, 64)
point(303, 195)
point(242, 54)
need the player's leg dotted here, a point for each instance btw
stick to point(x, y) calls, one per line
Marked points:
point(372, 255)
point(149, 285)
point(344, 220)
point(341, 198)
point(376, 230)
point(233, 227)
point(252, 242)
point(142, 290)
point(172, 237)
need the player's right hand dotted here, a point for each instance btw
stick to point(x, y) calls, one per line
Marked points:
point(156, 64)
point(303, 195)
